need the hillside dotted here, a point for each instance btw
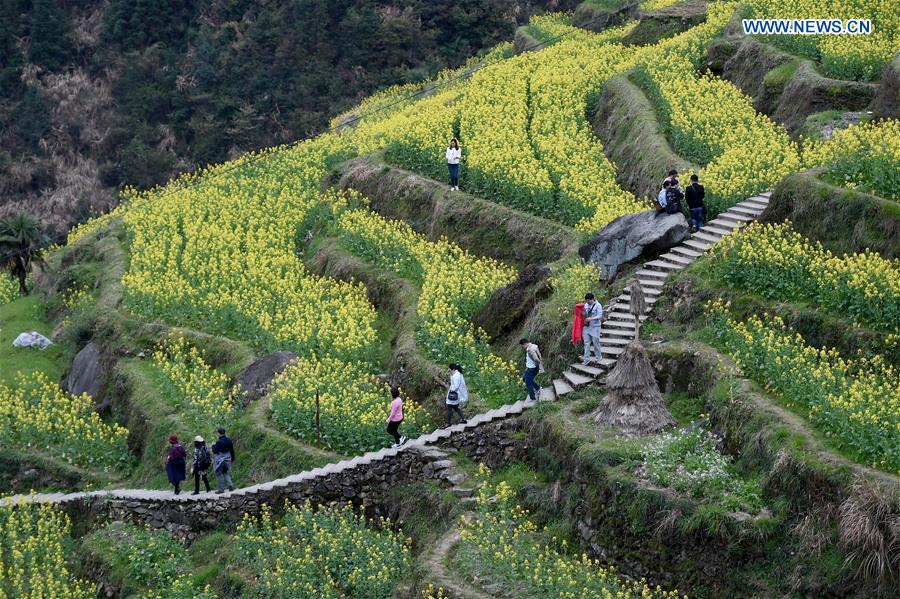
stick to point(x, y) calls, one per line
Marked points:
point(736, 434)
point(97, 95)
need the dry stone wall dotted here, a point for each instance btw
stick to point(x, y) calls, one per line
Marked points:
point(364, 480)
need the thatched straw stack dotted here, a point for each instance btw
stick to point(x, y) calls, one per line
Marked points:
point(633, 403)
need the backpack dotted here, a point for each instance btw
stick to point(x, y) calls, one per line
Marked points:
point(673, 202)
point(203, 459)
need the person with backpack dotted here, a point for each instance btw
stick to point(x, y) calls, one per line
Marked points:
point(457, 394)
point(453, 155)
point(395, 417)
point(695, 194)
point(175, 464)
point(201, 465)
point(223, 461)
point(534, 365)
point(673, 199)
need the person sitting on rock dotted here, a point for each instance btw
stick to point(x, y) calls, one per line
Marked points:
point(201, 465)
point(661, 198)
point(673, 179)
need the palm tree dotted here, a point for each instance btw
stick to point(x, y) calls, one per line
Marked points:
point(21, 239)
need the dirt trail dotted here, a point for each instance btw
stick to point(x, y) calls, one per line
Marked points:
point(438, 574)
point(261, 418)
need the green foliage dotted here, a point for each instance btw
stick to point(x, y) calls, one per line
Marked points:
point(146, 563)
point(329, 553)
point(33, 121)
point(502, 547)
point(26, 314)
point(854, 401)
point(689, 462)
point(778, 263)
point(34, 550)
point(48, 44)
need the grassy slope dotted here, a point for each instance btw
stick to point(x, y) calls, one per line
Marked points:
point(18, 316)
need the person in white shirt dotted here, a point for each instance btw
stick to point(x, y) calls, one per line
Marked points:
point(534, 365)
point(457, 394)
point(592, 313)
point(453, 155)
point(661, 198)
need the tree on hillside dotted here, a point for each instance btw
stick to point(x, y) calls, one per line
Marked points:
point(20, 242)
point(47, 46)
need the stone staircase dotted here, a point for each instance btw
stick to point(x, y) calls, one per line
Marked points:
point(618, 323)
point(618, 331)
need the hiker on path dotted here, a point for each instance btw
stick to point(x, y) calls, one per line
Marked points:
point(223, 461)
point(395, 417)
point(591, 313)
point(534, 365)
point(661, 197)
point(201, 465)
point(175, 464)
point(695, 194)
point(457, 394)
point(453, 155)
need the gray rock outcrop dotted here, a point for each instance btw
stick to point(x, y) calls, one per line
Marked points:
point(87, 374)
point(624, 239)
point(254, 381)
point(510, 305)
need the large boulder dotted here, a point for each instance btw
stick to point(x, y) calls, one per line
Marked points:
point(254, 381)
point(87, 374)
point(510, 305)
point(624, 239)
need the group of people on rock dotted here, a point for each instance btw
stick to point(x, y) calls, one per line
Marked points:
point(670, 194)
point(221, 460)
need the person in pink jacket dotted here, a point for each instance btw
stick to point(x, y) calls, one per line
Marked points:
point(395, 417)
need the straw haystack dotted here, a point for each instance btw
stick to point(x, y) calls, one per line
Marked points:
point(633, 403)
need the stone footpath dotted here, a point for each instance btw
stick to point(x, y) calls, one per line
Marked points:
point(366, 478)
point(618, 323)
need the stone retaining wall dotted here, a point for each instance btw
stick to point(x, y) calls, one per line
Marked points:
point(364, 480)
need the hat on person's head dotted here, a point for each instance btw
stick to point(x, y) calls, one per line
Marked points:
point(221, 430)
point(173, 439)
point(199, 439)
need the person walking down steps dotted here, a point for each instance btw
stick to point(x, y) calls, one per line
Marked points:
point(395, 417)
point(591, 313)
point(202, 463)
point(457, 394)
point(175, 464)
point(453, 155)
point(223, 461)
point(534, 365)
